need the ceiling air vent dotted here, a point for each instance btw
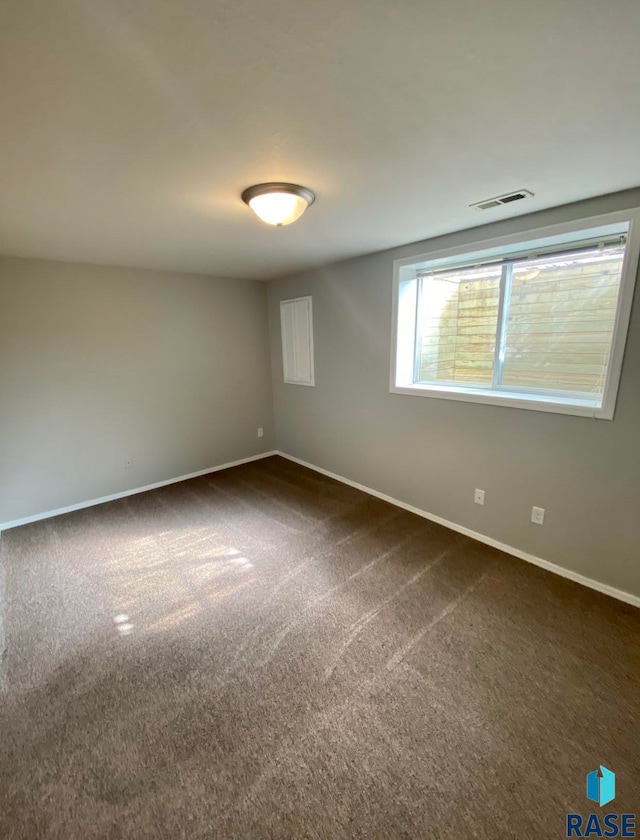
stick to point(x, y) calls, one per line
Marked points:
point(502, 199)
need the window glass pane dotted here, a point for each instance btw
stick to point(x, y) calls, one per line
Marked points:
point(560, 321)
point(456, 326)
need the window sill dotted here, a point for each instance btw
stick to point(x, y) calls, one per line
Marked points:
point(538, 402)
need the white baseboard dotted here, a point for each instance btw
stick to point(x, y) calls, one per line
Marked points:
point(619, 594)
point(627, 597)
point(91, 502)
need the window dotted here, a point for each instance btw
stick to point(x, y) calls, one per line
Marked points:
point(296, 320)
point(537, 322)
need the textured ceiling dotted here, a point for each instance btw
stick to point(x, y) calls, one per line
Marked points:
point(129, 128)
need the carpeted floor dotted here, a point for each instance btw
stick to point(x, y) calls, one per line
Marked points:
point(264, 652)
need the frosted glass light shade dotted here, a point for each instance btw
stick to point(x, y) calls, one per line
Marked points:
point(278, 208)
point(278, 204)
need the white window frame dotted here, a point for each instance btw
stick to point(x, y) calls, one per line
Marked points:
point(405, 270)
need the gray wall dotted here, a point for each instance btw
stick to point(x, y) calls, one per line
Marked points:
point(98, 364)
point(432, 453)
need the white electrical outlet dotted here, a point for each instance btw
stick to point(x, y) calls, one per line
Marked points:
point(128, 464)
point(537, 515)
point(478, 497)
point(260, 432)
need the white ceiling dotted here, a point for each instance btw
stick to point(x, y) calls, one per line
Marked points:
point(129, 128)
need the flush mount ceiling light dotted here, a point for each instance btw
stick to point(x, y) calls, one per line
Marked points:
point(278, 204)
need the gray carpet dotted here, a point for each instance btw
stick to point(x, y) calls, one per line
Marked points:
point(264, 652)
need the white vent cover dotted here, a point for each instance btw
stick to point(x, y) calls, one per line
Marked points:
point(507, 198)
point(296, 318)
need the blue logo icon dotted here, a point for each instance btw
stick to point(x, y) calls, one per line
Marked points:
point(601, 786)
